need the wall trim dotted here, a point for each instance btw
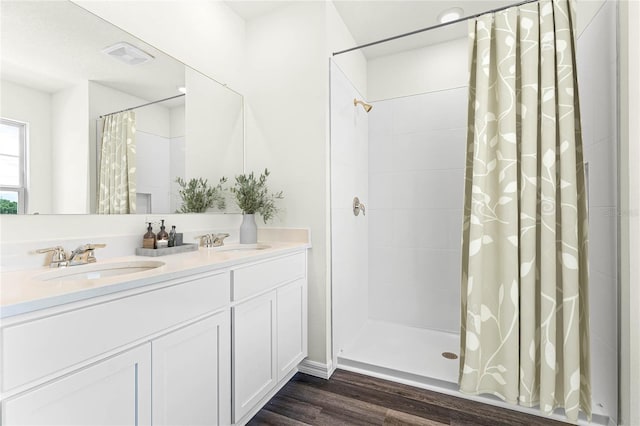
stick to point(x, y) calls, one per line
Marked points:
point(317, 369)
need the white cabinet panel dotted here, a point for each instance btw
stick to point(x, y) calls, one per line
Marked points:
point(254, 366)
point(116, 391)
point(37, 348)
point(192, 374)
point(292, 326)
point(253, 279)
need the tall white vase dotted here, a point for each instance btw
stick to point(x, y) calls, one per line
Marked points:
point(248, 229)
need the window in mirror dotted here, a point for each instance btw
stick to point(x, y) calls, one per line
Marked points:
point(12, 166)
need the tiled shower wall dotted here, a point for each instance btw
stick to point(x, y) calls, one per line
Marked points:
point(596, 57)
point(349, 233)
point(416, 180)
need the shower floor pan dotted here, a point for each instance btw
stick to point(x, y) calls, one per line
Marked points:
point(414, 356)
point(409, 352)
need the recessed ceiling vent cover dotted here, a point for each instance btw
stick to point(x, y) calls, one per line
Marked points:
point(127, 53)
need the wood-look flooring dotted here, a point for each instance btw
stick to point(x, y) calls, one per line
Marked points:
point(355, 399)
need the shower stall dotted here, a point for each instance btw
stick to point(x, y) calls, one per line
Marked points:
point(395, 266)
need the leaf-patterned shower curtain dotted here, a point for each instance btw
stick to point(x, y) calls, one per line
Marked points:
point(117, 178)
point(525, 323)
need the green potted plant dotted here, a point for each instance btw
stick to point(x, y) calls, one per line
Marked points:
point(197, 195)
point(253, 196)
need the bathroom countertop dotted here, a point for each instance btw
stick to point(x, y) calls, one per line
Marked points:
point(22, 291)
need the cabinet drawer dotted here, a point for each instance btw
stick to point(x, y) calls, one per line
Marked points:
point(35, 349)
point(257, 278)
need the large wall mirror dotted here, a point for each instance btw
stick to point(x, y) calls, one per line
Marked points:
point(66, 147)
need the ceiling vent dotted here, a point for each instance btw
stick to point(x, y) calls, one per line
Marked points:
point(127, 53)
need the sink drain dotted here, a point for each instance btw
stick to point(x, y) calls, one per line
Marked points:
point(449, 355)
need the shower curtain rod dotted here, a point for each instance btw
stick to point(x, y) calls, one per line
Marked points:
point(144, 105)
point(444, 24)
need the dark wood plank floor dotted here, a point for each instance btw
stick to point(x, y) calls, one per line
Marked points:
point(354, 399)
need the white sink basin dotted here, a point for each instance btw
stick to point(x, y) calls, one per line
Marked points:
point(99, 270)
point(242, 247)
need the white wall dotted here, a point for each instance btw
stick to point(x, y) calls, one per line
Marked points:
point(70, 152)
point(350, 234)
point(213, 130)
point(352, 64)
point(596, 57)
point(437, 67)
point(416, 162)
point(286, 104)
point(206, 35)
point(32, 106)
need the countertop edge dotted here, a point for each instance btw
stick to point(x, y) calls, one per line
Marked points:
point(119, 286)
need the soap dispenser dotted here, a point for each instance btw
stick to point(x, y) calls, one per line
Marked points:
point(163, 237)
point(149, 239)
point(172, 236)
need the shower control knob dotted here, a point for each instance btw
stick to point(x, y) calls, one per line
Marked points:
point(358, 207)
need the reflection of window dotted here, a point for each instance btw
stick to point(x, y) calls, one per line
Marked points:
point(13, 137)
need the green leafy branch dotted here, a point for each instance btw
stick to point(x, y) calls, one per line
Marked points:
point(197, 195)
point(253, 196)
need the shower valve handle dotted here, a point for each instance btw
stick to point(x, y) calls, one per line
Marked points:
point(358, 207)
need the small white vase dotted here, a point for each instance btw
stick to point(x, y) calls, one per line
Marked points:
point(248, 229)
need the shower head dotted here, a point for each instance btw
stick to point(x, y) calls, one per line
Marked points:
point(366, 106)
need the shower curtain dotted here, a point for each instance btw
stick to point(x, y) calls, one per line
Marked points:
point(117, 178)
point(525, 324)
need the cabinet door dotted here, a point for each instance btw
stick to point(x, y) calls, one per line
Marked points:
point(292, 326)
point(254, 366)
point(116, 391)
point(192, 374)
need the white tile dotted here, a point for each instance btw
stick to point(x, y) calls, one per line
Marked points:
point(604, 373)
point(453, 223)
point(446, 109)
point(442, 229)
point(431, 150)
point(381, 190)
point(602, 241)
point(603, 308)
point(409, 227)
point(381, 268)
point(381, 228)
point(602, 173)
point(441, 189)
point(407, 189)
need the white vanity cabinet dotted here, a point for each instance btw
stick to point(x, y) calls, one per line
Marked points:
point(161, 352)
point(269, 316)
point(205, 344)
point(191, 374)
point(115, 391)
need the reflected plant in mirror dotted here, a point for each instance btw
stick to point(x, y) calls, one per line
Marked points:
point(198, 196)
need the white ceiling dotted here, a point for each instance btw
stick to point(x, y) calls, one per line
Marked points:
point(372, 20)
point(249, 9)
point(51, 45)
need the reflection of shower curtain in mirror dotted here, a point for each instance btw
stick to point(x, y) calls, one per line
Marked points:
point(117, 178)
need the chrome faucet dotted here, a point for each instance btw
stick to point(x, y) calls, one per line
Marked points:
point(84, 254)
point(212, 240)
point(205, 240)
point(218, 239)
point(58, 256)
point(80, 256)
